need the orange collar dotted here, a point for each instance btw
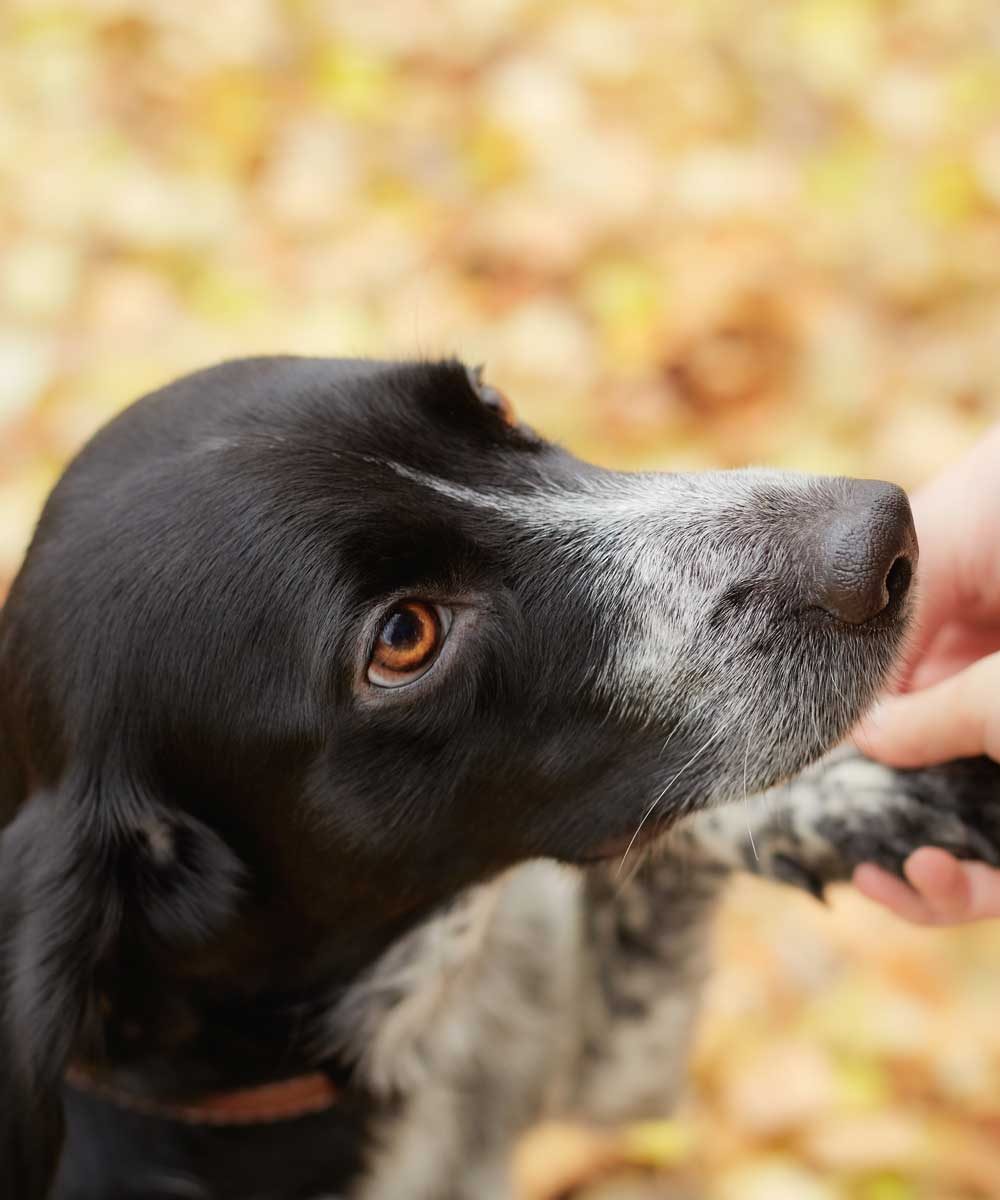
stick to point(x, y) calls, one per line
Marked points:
point(261, 1105)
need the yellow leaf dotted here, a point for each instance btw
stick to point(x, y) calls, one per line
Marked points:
point(657, 1143)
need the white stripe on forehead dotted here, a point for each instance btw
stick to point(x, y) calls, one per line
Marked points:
point(454, 491)
point(613, 497)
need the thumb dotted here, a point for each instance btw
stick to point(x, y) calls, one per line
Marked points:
point(957, 718)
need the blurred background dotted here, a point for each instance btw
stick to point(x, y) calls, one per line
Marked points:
point(680, 233)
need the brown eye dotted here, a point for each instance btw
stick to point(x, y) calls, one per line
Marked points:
point(408, 642)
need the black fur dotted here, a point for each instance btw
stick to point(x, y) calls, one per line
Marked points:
point(214, 826)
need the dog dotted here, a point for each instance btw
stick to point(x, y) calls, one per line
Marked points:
point(363, 769)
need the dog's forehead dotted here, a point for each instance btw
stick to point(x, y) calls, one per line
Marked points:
point(433, 431)
point(452, 414)
point(441, 394)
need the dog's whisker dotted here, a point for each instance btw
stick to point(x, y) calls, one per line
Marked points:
point(820, 740)
point(684, 720)
point(746, 801)
point(670, 783)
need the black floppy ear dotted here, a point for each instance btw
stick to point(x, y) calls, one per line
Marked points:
point(54, 932)
point(75, 871)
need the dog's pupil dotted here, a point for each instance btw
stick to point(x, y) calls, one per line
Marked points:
point(403, 629)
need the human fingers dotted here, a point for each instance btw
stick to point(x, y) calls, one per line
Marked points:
point(955, 891)
point(893, 894)
point(956, 718)
point(956, 647)
point(957, 518)
point(942, 891)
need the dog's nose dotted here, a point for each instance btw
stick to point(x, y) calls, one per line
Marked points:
point(867, 553)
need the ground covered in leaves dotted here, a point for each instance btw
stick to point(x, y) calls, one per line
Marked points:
point(687, 233)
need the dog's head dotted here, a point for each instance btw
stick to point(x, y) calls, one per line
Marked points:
point(302, 647)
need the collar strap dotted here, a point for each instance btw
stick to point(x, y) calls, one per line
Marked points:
point(261, 1105)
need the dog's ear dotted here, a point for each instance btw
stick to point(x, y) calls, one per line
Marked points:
point(54, 932)
point(77, 870)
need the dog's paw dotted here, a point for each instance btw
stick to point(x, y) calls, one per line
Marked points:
point(848, 810)
point(852, 811)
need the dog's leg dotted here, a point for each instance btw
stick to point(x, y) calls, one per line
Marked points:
point(646, 953)
point(848, 810)
point(647, 937)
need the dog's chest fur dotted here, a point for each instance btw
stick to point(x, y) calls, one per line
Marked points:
point(546, 993)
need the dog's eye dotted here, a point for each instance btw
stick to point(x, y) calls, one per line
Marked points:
point(408, 643)
point(493, 398)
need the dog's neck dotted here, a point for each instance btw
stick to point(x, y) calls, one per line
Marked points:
point(178, 1045)
point(165, 1032)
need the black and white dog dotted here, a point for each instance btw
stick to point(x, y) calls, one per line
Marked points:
point(320, 683)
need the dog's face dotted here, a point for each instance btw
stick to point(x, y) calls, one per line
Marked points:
point(348, 637)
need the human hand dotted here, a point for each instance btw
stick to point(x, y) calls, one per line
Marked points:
point(948, 705)
point(942, 890)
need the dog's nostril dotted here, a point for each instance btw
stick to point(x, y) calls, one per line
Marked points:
point(897, 582)
point(867, 553)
